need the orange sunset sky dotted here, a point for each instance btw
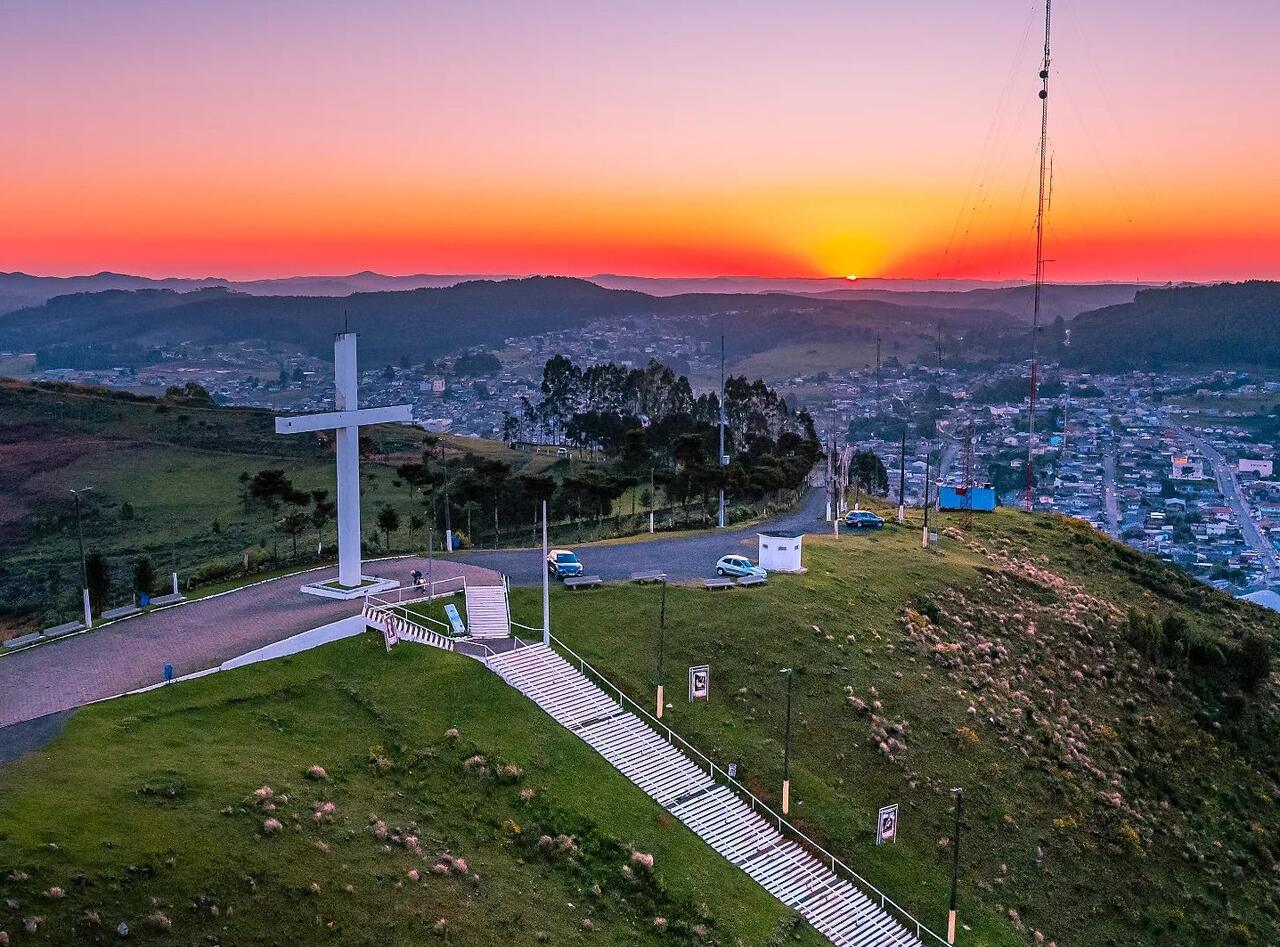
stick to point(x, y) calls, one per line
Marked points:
point(674, 137)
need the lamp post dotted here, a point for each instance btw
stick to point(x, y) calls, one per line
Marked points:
point(720, 461)
point(84, 568)
point(786, 748)
point(651, 499)
point(546, 583)
point(902, 478)
point(662, 634)
point(924, 535)
point(958, 793)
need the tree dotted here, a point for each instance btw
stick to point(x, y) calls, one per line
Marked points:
point(98, 579)
point(388, 522)
point(1254, 661)
point(270, 487)
point(322, 511)
point(416, 525)
point(144, 575)
point(126, 510)
point(292, 524)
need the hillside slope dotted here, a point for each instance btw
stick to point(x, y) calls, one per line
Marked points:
point(449, 810)
point(165, 479)
point(1230, 325)
point(1122, 771)
point(120, 326)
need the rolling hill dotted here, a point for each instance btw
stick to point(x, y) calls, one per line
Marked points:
point(118, 327)
point(1117, 747)
point(1234, 325)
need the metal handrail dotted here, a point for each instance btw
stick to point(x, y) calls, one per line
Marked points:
point(783, 824)
point(428, 589)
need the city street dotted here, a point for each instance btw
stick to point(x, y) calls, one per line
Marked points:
point(1230, 487)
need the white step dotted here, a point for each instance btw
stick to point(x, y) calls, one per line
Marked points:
point(488, 615)
point(836, 908)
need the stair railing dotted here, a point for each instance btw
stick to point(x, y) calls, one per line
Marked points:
point(784, 826)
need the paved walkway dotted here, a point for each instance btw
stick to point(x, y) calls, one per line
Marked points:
point(73, 671)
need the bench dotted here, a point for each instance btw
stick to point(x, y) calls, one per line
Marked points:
point(581, 581)
point(649, 575)
point(712, 584)
point(24, 640)
point(166, 599)
point(752, 580)
point(66, 629)
point(124, 611)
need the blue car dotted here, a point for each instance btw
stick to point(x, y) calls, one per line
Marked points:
point(562, 564)
point(863, 519)
point(738, 566)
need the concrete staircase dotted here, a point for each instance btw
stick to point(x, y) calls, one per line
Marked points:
point(399, 628)
point(836, 907)
point(487, 612)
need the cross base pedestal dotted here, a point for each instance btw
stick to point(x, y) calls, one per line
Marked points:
point(369, 585)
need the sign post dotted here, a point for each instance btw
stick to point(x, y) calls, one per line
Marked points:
point(699, 682)
point(887, 825)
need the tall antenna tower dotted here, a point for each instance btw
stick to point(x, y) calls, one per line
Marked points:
point(1035, 310)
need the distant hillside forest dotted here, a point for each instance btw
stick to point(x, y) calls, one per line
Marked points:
point(130, 328)
point(1236, 324)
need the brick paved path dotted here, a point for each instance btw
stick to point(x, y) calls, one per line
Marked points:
point(102, 663)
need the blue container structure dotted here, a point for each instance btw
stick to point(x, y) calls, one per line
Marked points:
point(982, 499)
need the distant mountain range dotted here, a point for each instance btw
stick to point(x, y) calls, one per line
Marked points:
point(19, 290)
point(118, 326)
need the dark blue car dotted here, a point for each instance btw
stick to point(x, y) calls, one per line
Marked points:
point(863, 519)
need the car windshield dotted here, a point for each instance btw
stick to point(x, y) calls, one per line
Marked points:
point(566, 557)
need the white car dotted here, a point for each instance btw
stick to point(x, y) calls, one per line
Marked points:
point(739, 566)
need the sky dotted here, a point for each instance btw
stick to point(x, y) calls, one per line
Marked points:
point(666, 138)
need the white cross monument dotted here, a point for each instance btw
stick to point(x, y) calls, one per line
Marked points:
point(347, 421)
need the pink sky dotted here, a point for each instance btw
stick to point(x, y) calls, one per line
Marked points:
point(668, 138)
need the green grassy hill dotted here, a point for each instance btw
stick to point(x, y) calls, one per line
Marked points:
point(461, 814)
point(165, 484)
point(1113, 724)
point(1122, 787)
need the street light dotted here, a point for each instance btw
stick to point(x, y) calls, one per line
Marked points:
point(786, 748)
point(84, 567)
point(662, 634)
point(958, 793)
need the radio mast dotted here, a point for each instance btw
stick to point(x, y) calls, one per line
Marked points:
point(1035, 311)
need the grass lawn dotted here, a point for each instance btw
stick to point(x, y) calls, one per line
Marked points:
point(144, 810)
point(1092, 820)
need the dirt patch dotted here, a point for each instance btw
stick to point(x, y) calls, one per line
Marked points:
point(29, 464)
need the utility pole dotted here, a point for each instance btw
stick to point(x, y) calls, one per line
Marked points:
point(958, 793)
point(924, 536)
point(84, 567)
point(786, 748)
point(902, 478)
point(831, 476)
point(546, 583)
point(651, 499)
point(662, 634)
point(1040, 208)
point(720, 514)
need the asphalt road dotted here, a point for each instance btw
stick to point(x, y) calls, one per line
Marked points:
point(59, 675)
point(681, 558)
point(1109, 497)
point(1230, 487)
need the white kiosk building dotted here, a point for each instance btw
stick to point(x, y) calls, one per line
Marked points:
point(781, 552)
